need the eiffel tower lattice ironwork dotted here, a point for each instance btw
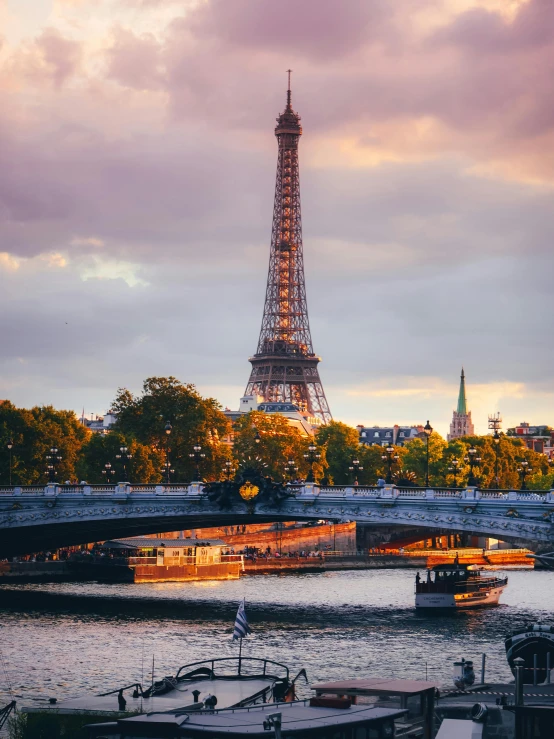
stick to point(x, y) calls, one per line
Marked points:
point(284, 368)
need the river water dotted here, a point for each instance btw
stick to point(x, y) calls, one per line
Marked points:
point(67, 639)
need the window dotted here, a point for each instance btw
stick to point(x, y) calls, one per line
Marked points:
point(363, 434)
point(376, 434)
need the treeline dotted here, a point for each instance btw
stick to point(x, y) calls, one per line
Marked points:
point(269, 440)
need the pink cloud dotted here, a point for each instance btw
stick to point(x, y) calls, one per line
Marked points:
point(134, 61)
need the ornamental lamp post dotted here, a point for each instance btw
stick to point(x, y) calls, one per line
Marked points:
point(197, 455)
point(10, 447)
point(496, 441)
point(524, 470)
point(168, 429)
point(228, 469)
point(108, 471)
point(473, 460)
point(167, 471)
point(454, 470)
point(390, 458)
point(311, 456)
point(257, 437)
point(52, 460)
point(355, 467)
point(427, 430)
point(125, 457)
point(290, 470)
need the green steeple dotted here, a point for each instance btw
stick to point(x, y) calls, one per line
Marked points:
point(462, 402)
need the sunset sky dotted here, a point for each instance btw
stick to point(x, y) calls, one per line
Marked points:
point(137, 165)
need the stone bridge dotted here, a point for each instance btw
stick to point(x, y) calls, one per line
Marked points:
point(40, 518)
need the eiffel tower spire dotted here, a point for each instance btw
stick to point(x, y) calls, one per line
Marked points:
point(284, 368)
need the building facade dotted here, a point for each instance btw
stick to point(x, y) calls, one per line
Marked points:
point(461, 425)
point(387, 435)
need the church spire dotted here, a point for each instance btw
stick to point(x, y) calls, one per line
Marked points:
point(462, 401)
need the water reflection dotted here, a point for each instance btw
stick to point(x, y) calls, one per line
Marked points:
point(65, 639)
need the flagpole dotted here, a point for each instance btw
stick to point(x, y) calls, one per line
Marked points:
point(240, 653)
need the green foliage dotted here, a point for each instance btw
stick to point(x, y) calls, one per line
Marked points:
point(415, 459)
point(341, 446)
point(194, 420)
point(278, 442)
point(144, 466)
point(33, 433)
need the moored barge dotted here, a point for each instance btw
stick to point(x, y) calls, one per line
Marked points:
point(159, 560)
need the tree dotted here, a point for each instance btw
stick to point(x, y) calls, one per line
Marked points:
point(268, 440)
point(144, 466)
point(341, 444)
point(34, 432)
point(193, 419)
point(415, 459)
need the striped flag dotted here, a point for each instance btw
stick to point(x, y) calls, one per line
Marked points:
point(242, 629)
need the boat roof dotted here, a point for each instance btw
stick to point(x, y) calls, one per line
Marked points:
point(455, 566)
point(296, 716)
point(144, 542)
point(374, 686)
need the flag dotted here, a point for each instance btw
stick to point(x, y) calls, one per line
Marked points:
point(242, 629)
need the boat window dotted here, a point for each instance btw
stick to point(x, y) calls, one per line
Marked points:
point(413, 704)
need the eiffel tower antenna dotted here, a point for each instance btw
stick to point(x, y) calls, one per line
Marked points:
point(284, 368)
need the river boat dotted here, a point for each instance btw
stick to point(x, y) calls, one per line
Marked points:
point(143, 560)
point(534, 643)
point(307, 719)
point(227, 682)
point(456, 586)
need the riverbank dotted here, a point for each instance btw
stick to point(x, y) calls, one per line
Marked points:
point(52, 572)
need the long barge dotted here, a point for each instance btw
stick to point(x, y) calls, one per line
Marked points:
point(144, 560)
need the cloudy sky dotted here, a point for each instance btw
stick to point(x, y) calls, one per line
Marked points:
point(137, 164)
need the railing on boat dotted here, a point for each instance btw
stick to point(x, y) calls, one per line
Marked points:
point(241, 661)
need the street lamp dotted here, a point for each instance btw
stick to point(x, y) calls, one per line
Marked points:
point(354, 468)
point(257, 437)
point(311, 456)
point(454, 470)
point(197, 455)
point(427, 430)
point(125, 457)
point(473, 460)
point(109, 471)
point(10, 446)
point(496, 441)
point(167, 429)
point(167, 471)
point(228, 469)
point(391, 458)
point(290, 470)
point(52, 460)
point(524, 470)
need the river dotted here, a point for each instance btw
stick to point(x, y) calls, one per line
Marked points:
point(66, 639)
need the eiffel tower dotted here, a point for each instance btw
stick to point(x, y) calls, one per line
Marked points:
point(284, 368)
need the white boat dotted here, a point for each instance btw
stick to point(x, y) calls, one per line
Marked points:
point(458, 586)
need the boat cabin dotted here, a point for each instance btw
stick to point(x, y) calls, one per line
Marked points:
point(416, 699)
point(166, 552)
point(309, 719)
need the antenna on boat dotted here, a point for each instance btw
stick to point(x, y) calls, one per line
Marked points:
point(152, 691)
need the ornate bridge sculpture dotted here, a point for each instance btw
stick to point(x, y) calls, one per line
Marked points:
point(38, 518)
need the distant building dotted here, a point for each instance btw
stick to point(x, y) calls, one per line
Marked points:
point(461, 425)
point(100, 424)
point(386, 435)
point(306, 425)
point(537, 438)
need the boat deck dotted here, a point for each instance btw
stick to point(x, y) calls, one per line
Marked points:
point(228, 694)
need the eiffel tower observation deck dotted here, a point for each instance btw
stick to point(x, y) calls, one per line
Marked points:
point(285, 367)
